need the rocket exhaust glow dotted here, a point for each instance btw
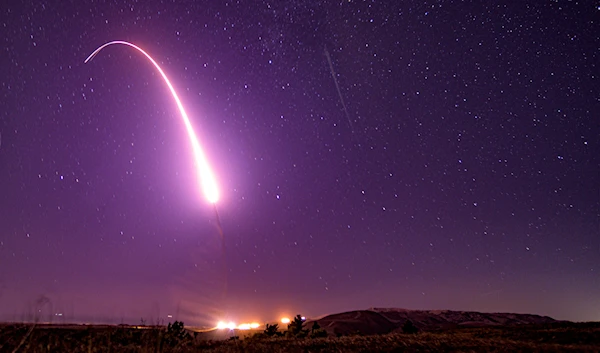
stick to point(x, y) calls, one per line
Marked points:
point(206, 177)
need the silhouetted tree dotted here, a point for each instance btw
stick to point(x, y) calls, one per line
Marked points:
point(409, 327)
point(316, 331)
point(296, 327)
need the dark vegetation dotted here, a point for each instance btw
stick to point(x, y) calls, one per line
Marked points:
point(553, 337)
point(409, 327)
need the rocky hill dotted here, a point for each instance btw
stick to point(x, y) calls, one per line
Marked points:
point(385, 320)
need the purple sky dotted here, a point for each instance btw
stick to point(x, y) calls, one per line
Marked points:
point(470, 180)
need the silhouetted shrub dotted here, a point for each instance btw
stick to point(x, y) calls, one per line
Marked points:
point(175, 334)
point(272, 330)
point(409, 327)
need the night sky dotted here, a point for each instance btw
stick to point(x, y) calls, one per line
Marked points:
point(457, 168)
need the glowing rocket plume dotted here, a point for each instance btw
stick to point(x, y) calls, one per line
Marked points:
point(207, 179)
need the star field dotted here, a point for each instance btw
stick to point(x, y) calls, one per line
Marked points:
point(463, 173)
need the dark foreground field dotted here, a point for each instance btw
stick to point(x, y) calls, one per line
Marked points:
point(556, 337)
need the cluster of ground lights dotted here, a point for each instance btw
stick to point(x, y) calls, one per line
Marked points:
point(222, 325)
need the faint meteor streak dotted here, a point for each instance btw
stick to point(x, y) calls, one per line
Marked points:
point(338, 88)
point(206, 177)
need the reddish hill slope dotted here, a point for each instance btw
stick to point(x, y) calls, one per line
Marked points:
point(364, 322)
point(384, 320)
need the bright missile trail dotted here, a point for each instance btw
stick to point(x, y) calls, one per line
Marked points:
point(206, 177)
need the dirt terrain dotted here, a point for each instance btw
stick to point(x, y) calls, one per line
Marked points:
point(374, 330)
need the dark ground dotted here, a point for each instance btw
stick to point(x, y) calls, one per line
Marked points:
point(556, 337)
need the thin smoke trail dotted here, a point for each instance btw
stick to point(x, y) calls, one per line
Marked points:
point(225, 267)
point(337, 86)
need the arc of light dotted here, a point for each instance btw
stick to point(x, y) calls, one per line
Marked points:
point(207, 179)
